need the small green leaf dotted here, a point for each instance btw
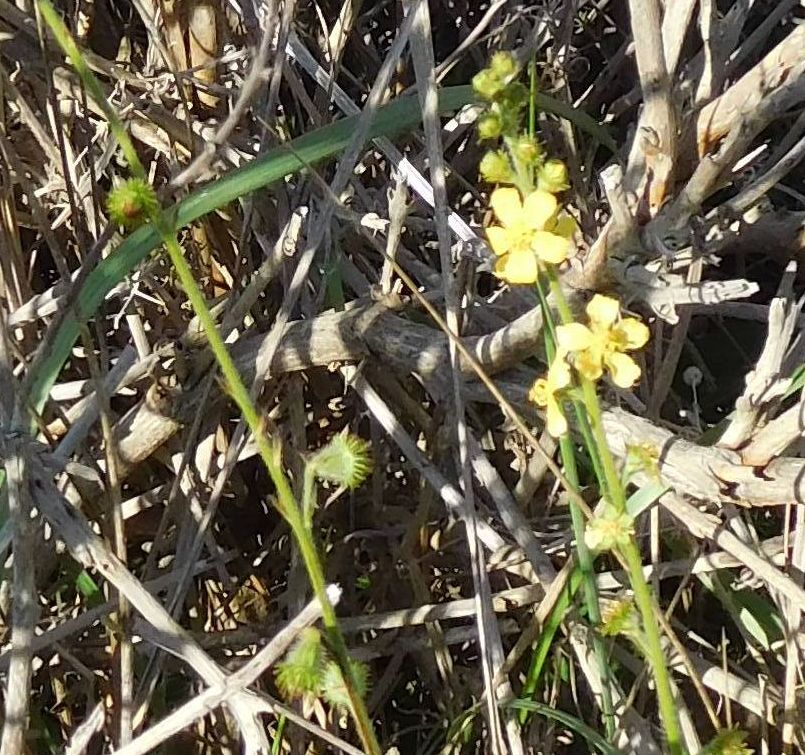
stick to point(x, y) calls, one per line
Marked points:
point(87, 586)
point(644, 497)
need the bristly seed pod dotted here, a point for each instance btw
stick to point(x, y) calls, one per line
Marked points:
point(300, 673)
point(132, 203)
point(346, 460)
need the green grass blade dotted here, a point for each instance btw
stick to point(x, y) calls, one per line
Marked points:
point(566, 719)
point(398, 116)
point(401, 115)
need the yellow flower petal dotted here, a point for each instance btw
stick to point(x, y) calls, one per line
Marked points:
point(539, 392)
point(624, 370)
point(559, 374)
point(538, 208)
point(565, 227)
point(588, 363)
point(603, 310)
point(507, 205)
point(517, 267)
point(499, 239)
point(573, 337)
point(630, 333)
point(556, 422)
point(549, 247)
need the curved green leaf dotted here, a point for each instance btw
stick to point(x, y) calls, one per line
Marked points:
point(398, 116)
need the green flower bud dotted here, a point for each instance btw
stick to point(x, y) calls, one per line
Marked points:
point(552, 176)
point(609, 531)
point(132, 203)
point(302, 670)
point(495, 168)
point(643, 457)
point(527, 150)
point(346, 460)
point(489, 126)
point(487, 85)
point(503, 66)
point(620, 618)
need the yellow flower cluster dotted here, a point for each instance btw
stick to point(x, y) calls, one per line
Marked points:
point(590, 349)
point(532, 234)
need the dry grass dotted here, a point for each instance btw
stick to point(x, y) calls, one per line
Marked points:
point(144, 561)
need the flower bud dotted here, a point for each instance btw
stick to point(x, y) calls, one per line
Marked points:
point(620, 618)
point(489, 126)
point(514, 96)
point(495, 168)
point(335, 690)
point(300, 673)
point(487, 85)
point(346, 460)
point(527, 150)
point(552, 176)
point(728, 742)
point(610, 531)
point(503, 66)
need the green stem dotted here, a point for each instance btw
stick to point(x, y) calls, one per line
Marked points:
point(532, 98)
point(634, 565)
point(286, 503)
point(616, 495)
point(583, 554)
point(269, 453)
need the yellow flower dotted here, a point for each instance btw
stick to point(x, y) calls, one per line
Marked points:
point(604, 342)
point(530, 232)
point(544, 393)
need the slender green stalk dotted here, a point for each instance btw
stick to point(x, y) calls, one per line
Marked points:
point(286, 503)
point(547, 633)
point(583, 554)
point(616, 496)
point(269, 452)
point(566, 316)
point(67, 43)
point(634, 565)
point(532, 97)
